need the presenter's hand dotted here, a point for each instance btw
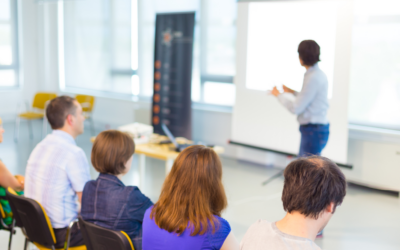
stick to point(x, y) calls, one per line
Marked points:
point(275, 91)
point(287, 90)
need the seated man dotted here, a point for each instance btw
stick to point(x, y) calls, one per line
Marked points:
point(58, 170)
point(313, 188)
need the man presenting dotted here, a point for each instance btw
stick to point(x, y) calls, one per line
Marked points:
point(57, 169)
point(311, 103)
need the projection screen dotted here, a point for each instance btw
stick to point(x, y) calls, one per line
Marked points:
point(268, 35)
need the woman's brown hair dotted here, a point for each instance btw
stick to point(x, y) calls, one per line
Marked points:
point(111, 150)
point(192, 193)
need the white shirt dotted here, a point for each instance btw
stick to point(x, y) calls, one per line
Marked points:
point(56, 170)
point(311, 103)
point(264, 235)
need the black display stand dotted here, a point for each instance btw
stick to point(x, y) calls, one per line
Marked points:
point(172, 104)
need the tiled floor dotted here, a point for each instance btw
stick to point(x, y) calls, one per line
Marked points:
point(366, 220)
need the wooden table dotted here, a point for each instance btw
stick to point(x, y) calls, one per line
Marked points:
point(164, 152)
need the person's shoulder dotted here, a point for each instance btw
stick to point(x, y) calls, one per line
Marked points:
point(133, 190)
point(148, 212)
point(222, 227)
point(261, 222)
point(75, 149)
point(135, 195)
point(223, 224)
point(216, 238)
point(257, 236)
point(76, 154)
point(89, 188)
point(89, 184)
point(318, 75)
point(53, 142)
point(258, 227)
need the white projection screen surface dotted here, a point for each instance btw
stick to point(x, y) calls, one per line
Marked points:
point(268, 35)
point(279, 35)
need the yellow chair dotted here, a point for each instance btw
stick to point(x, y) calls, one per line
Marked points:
point(96, 237)
point(87, 103)
point(35, 223)
point(36, 112)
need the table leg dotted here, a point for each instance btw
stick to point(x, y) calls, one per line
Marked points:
point(168, 166)
point(142, 170)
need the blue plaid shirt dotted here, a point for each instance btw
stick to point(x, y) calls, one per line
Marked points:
point(57, 169)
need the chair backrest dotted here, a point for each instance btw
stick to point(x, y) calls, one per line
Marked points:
point(2, 213)
point(33, 218)
point(87, 102)
point(99, 238)
point(40, 99)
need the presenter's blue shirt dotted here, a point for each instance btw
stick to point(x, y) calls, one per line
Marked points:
point(108, 203)
point(311, 103)
point(155, 238)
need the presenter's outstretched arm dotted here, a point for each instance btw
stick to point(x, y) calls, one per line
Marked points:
point(303, 99)
point(289, 90)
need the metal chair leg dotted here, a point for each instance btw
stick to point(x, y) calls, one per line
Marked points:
point(9, 241)
point(11, 234)
point(26, 244)
point(68, 234)
point(16, 128)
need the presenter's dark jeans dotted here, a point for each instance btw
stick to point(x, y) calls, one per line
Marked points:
point(314, 138)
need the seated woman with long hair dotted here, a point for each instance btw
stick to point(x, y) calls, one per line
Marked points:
point(187, 214)
point(107, 202)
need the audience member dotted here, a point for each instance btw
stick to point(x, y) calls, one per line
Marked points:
point(8, 180)
point(187, 214)
point(57, 169)
point(313, 189)
point(107, 202)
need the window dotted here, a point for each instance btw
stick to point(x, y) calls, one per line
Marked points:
point(375, 71)
point(8, 44)
point(218, 52)
point(98, 46)
point(110, 48)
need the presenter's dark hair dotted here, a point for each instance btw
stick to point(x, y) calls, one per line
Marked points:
point(111, 150)
point(311, 184)
point(309, 52)
point(58, 109)
point(192, 193)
